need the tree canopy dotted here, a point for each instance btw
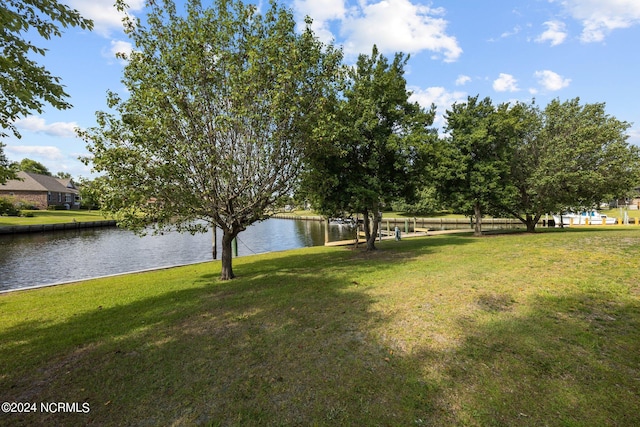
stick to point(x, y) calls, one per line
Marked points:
point(370, 150)
point(568, 156)
point(29, 165)
point(222, 102)
point(522, 161)
point(472, 174)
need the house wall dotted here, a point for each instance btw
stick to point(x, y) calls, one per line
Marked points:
point(60, 199)
point(39, 200)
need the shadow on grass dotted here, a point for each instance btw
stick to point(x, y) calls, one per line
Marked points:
point(290, 342)
point(285, 343)
point(571, 360)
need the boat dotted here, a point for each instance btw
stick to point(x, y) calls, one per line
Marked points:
point(583, 218)
point(344, 222)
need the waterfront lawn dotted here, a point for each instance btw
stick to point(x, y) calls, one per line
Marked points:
point(517, 329)
point(617, 213)
point(37, 217)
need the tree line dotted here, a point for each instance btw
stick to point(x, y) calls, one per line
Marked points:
point(230, 111)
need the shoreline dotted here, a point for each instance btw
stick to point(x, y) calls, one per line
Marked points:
point(39, 228)
point(105, 276)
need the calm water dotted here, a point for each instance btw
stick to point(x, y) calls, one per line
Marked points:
point(46, 258)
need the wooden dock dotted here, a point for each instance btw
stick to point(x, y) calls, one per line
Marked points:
point(420, 232)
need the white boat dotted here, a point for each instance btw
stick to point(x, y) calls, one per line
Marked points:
point(345, 222)
point(583, 218)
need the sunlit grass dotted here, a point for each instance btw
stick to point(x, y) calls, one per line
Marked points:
point(513, 329)
point(37, 217)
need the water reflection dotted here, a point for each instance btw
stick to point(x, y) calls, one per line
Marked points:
point(44, 258)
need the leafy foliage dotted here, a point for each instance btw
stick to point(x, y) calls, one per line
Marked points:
point(524, 161)
point(568, 156)
point(8, 207)
point(473, 172)
point(26, 86)
point(372, 146)
point(221, 108)
point(29, 165)
point(7, 168)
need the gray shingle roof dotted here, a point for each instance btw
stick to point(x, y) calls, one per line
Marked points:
point(35, 182)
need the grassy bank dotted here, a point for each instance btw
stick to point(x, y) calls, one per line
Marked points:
point(37, 217)
point(511, 329)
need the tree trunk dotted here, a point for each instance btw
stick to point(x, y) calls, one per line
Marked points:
point(531, 223)
point(365, 225)
point(477, 211)
point(227, 268)
point(370, 237)
point(357, 232)
point(371, 240)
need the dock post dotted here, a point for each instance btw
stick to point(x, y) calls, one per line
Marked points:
point(234, 246)
point(214, 248)
point(406, 226)
point(326, 231)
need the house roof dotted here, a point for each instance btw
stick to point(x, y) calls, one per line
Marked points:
point(28, 181)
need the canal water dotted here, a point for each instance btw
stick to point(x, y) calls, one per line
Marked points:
point(46, 258)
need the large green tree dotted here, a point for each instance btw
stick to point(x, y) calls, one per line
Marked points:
point(370, 150)
point(472, 175)
point(221, 104)
point(30, 165)
point(568, 156)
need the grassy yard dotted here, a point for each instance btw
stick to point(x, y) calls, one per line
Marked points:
point(51, 217)
point(616, 213)
point(512, 329)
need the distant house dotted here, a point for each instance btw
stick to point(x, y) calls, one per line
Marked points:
point(631, 202)
point(42, 191)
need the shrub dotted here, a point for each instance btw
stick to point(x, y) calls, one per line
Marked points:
point(8, 208)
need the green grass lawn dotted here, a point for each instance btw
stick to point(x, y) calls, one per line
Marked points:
point(52, 217)
point(616, 213)
point(513, 329)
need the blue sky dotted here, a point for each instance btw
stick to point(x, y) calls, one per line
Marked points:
point(505, 49)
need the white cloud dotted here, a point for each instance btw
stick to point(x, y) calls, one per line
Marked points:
point(321, 9)
point(505, 83)
point(439, 96)
point(550, 80)
point(118, 46)
point(40, 151)
point(462, 80)
point(599, 17)
point(106, 18)
point(556, 33)
point(392, 25)
point(634, 136)
point(322, 12)
point(513, 32)
point(39, 125)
